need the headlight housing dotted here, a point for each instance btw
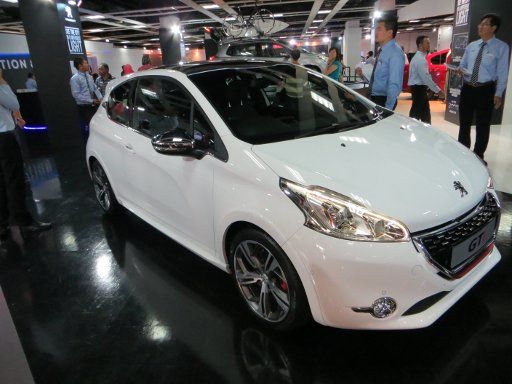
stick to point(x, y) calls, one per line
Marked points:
point(339, 216)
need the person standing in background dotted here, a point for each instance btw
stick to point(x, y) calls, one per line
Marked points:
point(13, 210)
point(388, 71)
point(420, 80)
point(31, 82)
point(146, 63)
point(103, 78)
point(85, 93)
point(334, 66)
point(295, 56)
point(484, 66)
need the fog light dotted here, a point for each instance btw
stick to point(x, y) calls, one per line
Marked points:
point(383, 307)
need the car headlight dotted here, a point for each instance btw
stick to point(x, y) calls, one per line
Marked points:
point(490, 183)
point(339, 216)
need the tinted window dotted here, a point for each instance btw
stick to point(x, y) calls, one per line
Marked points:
point(243, 50)
point(119, 103)
point(162, 105)
point(280, 51)
point(439, 59)
point(266, 50)
point(262, 104)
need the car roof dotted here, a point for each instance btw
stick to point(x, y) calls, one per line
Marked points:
point(202, 66)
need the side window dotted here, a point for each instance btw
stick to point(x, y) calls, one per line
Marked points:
point(119, 103)
point(203, 132)
point(266, 50)
point(161, 106)
point(280, 51)
point(242, 50)
point(439, 59)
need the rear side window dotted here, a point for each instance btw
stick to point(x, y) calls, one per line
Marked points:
point(439, 59)
point(247, 50)
point(119, 103)
point(280, 51)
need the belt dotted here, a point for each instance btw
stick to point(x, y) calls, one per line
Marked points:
point(478, 85)
point(7, 132)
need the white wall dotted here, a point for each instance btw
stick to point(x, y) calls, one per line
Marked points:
point(114, 57)
point(10, 43)
point(507, 112)
point(408, 40)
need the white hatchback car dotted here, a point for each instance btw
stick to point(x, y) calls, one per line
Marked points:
point(317, 201)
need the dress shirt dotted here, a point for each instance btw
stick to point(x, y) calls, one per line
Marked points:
point(31, 84)
point(101, 83)
point(494, 65)
point(8, 104)
point(83, 88)
point(389, 73)
point(419, 73)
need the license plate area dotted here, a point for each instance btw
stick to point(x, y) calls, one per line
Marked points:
point(473, 245)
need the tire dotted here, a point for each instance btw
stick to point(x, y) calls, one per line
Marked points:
point(103, 190)
point(267, 281)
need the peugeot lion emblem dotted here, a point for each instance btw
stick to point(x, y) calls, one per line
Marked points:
point(459, 187)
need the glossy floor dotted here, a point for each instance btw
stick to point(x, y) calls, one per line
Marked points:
point(112, 300)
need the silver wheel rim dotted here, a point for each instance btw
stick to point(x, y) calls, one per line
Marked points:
point(261, 281)
point(101, 187)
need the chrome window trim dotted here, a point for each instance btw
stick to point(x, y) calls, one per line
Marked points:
point(445, 272)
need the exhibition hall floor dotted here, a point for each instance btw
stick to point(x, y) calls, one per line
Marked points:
point(112, 300)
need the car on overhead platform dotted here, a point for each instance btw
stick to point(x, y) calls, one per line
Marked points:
point(266, 48)
point(318, 202)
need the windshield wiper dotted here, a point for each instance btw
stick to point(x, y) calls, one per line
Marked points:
point(336, 128)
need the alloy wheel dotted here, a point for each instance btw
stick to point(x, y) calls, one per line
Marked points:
point(101, 187)
point(261, 281)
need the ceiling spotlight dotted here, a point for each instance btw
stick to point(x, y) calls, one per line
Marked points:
point(448, 18)
point(409, 29)
point(293, 42)
point(71, 2)
point(326, 39)
point(313, 27)
point(211, 6)
point(414, 21)
point(124, 46)
point(324, 11)
point(377, 14)
point(367, 37)
point(317, 21)
point(95, 30)
point(426, 25)
point(278, 15)
point(435, 29)
point(107, 41)
point(95, 17)
point(230, 18)
point(175, 28)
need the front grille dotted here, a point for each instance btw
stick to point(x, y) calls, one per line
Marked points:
point(439, 243)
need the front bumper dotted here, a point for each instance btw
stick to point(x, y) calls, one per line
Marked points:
point(347, 274)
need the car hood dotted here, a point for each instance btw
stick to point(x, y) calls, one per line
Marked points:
point(397, 167)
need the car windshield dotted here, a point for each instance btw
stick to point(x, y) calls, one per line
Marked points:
point(268, 103)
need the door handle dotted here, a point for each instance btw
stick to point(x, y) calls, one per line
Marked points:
point(129, 148)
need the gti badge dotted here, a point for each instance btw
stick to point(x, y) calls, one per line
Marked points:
point(459, 187)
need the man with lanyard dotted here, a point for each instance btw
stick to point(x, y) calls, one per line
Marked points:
point(420, 80)
point(388, 72)
point(85, 93)
point(485, 69)
point(13, 210)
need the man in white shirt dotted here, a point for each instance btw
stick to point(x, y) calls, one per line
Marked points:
point(420, 81)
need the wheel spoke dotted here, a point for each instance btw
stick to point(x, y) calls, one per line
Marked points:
point(281, 298)
point(97, 178)
point(248, 278)
point(271, 263)
point(246, 252)
point(264, 304)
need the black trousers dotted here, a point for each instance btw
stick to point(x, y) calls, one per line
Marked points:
point(420, 108)
point(13, 210)
point(477, 101)
point(381, 100)
point(85, 113)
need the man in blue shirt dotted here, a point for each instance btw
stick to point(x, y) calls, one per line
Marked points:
point(484, 66)
point(85, 94)
point(388, 72)
point(420, 80)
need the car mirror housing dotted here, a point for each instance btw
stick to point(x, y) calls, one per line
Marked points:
point(174, 143)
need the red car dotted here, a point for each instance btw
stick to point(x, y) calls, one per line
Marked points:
point(436, 68)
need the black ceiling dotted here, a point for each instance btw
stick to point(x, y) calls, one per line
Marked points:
point(136, 22)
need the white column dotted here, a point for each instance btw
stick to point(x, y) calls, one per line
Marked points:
point(352, 44)
point(507, 112)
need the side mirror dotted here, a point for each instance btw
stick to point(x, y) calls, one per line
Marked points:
point(105, 105)
point(177, 143)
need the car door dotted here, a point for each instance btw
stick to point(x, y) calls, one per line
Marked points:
point(174, 192)
point(112, 140)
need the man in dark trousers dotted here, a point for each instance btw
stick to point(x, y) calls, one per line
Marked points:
point(86, 94)
point(388, 71)
point(13, 211)
point(484, 66)
point(420, 81)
